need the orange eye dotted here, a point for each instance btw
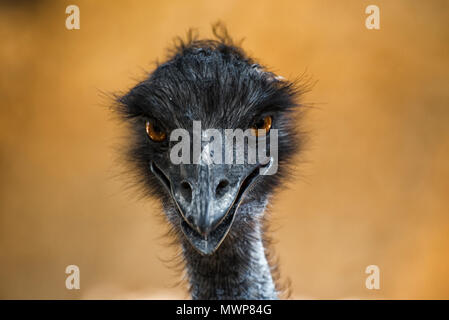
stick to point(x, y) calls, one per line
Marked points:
point(263, 124)
point(154, 133)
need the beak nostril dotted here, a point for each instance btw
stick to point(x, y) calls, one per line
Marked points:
point(186, 191)
point(222, 188)
point(185, 185)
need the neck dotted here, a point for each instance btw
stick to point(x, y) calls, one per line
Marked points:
point(237, 270)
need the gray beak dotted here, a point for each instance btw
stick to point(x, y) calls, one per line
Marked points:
point(207, 197)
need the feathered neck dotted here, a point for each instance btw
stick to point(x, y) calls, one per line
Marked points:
point(239, 269)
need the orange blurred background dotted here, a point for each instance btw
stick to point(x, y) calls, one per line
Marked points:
point(372, 186)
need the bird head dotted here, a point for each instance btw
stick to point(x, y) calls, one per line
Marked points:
point(187, 119)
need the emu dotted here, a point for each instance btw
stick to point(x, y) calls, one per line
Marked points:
point(216, 211)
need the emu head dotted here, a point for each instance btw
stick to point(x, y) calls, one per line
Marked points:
point(215, 85)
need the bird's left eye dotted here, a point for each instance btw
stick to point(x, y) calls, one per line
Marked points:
point(263, 124)
point(154, 132)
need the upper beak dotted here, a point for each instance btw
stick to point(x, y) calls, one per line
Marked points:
point(207, 196)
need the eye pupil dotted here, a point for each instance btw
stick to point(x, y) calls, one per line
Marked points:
point(156, 128)
point(264, 124)
point(260, 124)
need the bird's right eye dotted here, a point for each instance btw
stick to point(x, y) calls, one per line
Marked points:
point(154, 132)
